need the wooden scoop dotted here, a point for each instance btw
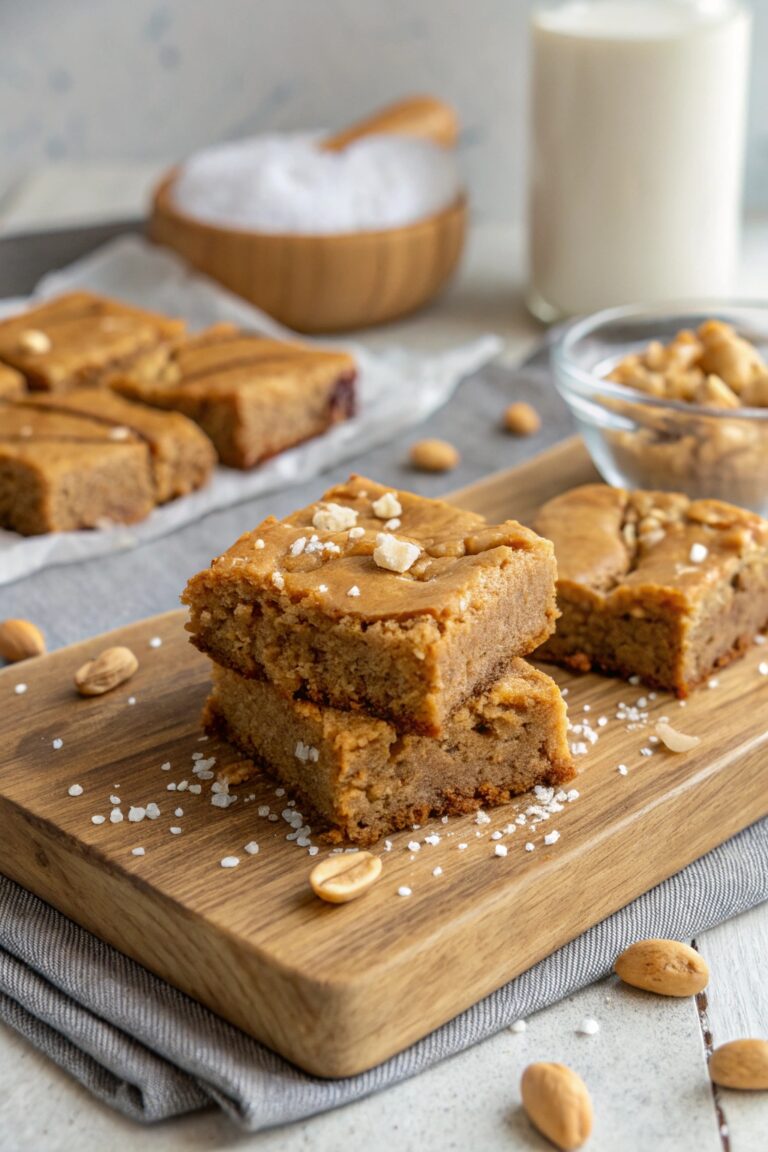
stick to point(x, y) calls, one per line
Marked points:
point(421, 116)
point(329, 283)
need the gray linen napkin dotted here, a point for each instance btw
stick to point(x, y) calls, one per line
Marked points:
point(151, 1052)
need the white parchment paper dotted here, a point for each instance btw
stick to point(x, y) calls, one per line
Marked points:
point(396, 390)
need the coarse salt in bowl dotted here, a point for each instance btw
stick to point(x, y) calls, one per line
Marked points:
point(287, 184)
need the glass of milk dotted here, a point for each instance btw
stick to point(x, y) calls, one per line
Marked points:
point(637, 150)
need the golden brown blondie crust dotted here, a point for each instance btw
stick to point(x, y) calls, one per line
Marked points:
point(365, 779)
point(307, 603)
point(78, 338)
point(654, 584)
point(253, 396)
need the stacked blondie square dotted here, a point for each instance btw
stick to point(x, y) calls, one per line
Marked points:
point(368, 653)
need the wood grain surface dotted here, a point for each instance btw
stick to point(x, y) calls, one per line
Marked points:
point(338, 989)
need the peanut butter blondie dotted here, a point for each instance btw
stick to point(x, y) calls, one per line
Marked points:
point(377, 600)
point(79, 338)
point(90, 457)
point(654, 584)
point(253, 396)
point(182, 456)
point(365, 779)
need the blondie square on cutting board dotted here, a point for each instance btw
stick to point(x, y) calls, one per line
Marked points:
point(653, 584)
point(377, 600)
point(365, 779)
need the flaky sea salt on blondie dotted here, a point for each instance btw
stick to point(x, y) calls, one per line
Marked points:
point(377, 600)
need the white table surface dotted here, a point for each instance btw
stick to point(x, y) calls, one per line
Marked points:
point(646, 1068)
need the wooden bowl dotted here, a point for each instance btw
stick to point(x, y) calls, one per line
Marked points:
point(319, 283)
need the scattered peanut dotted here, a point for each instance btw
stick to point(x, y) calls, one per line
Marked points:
point(434, 456)
point(713, 366)
point(342, 878)
point(557, 1102)
point(667, 967)
point(674, 740)
point(741, 1064)
point(522, 419)
point(20, 639)
point(111, 667)
point(34, 342)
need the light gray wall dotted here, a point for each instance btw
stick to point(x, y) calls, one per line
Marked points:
point(154, 79)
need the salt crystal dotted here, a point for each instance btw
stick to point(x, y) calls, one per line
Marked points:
point(98, 819)
point(136, 814)
point(500, 850)
point(552, 837)
point(137, 851)
point(155, 642)
point(588, 1027)
point(116, 816)
point(403, 890)
point(230, 861)
point(175, 830)
point(75, 790)
point(393, 554)
point(20, 689)
point(518, 1026)
point(698, 553)
point(437, 871)
point(57, 743)
point(386, 506)
point(152, 811)
point(284, 183)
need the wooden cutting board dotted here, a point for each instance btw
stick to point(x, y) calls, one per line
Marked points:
point(337, 989)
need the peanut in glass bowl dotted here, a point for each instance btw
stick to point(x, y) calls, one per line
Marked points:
point(641, 441)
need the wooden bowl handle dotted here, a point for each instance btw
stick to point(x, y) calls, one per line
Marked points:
point(421, 116)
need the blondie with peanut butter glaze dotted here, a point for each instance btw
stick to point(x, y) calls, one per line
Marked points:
point(254, 397)
point(654, 584)
point(80, 338)
point(377, 600)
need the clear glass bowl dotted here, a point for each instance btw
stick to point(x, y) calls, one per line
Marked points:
point(640, 441)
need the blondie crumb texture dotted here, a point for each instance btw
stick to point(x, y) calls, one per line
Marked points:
point(79, 338)
point(365, 779)
point(254, 397)
point(654, 584)
point(377, 600)
point(63, 468)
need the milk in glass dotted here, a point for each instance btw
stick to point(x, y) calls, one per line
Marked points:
point(637, 143)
